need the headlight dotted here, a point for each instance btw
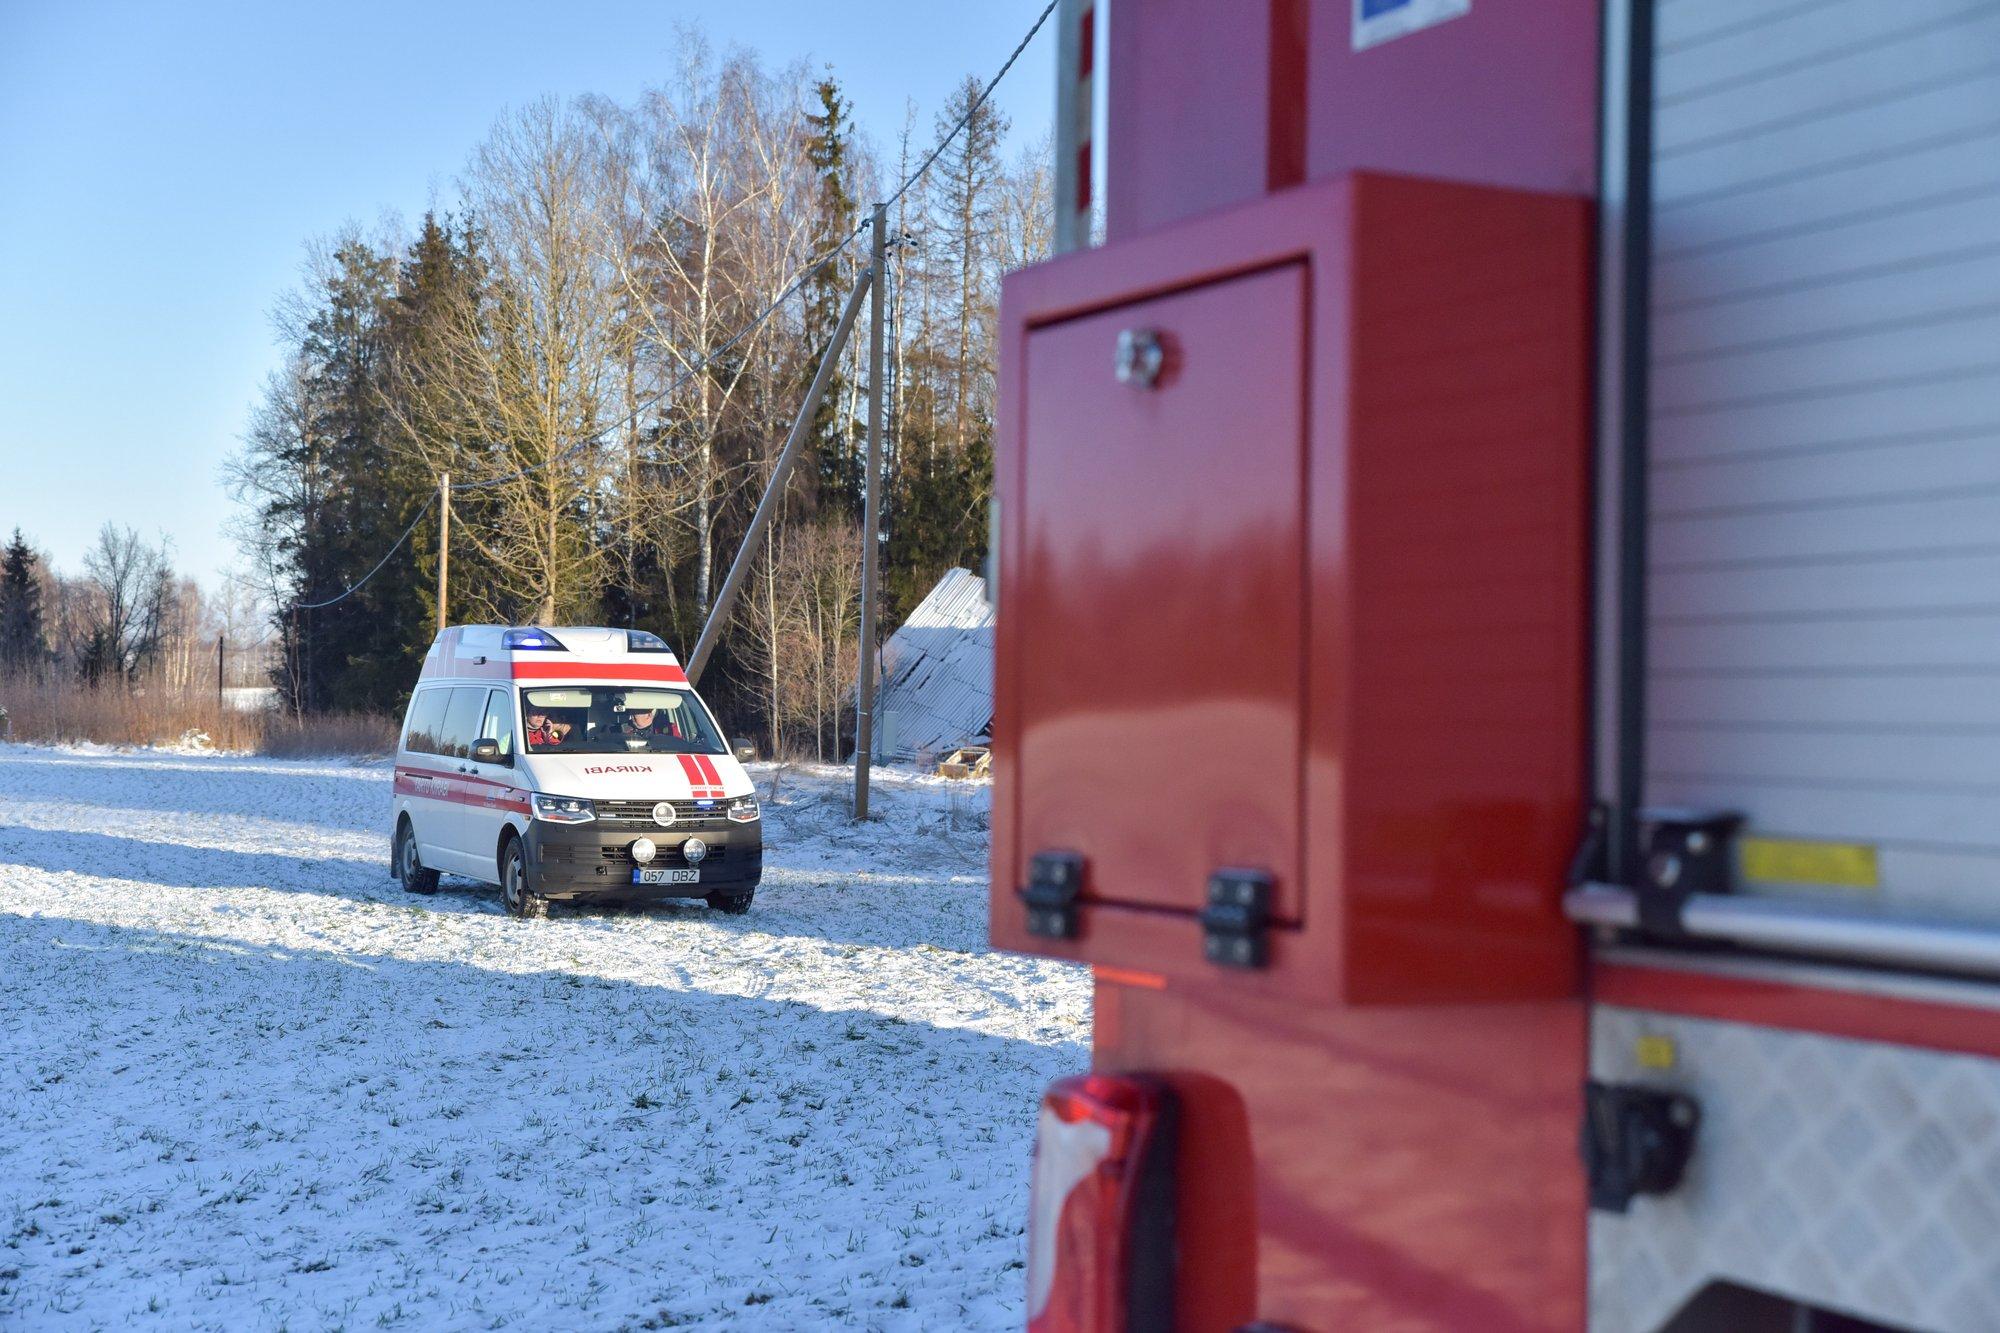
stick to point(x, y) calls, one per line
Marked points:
point(563, 809)
point(744, 809)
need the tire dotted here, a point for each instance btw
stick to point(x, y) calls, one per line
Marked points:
point(514, 885)
point(736, 904)
point(409, 867)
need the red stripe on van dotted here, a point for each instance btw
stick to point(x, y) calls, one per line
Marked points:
point(654, 671)
point(456, 788)
point(701, 775)
point(410, 770)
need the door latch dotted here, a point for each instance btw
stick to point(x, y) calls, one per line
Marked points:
point(1635, 1141)
point(1236, 922)
point(1684, 852)
point(1055, 881)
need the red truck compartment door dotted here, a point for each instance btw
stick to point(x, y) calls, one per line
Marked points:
point(1160, 686)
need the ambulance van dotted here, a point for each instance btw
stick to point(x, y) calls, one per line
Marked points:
point(569, 764)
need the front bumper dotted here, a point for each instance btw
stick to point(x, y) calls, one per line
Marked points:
point(594, 860)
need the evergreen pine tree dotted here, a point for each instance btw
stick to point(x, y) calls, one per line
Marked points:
point(354, 517)
point(440, 278)
point(98, 660)
point(22, 635)
point(943, 465)
point(339, 493)
point(838, 464)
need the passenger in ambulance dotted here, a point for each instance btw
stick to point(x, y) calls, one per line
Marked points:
point(547, 731)
point(540, 737)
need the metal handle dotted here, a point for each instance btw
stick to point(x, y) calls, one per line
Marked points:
point(1140, 358)
point(1795, 926)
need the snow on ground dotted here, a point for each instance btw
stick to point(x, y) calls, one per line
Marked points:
point(247, 1082)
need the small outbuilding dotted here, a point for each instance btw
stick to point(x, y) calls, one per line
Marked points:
point(937, 675)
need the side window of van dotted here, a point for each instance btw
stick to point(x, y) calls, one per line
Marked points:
point(425, 733)
point(498, 724)
point(461, 721)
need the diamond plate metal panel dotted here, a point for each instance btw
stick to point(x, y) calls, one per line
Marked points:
point(1852, 1175)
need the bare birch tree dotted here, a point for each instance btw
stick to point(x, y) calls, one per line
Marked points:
point(685, 290)
point(134, 583)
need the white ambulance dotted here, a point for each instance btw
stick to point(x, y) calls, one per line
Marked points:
point(570, 763)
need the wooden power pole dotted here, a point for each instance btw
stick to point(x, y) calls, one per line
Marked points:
point(871, 525)
point(444, 541)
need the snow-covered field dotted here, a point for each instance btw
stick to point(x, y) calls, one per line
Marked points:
point(246, 1082)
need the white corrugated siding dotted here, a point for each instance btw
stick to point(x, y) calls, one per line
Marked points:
point(1824, 597)
point(937, 674)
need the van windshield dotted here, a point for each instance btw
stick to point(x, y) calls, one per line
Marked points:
point(609, 719)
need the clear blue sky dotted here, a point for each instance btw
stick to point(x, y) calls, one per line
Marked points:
point(162, 166)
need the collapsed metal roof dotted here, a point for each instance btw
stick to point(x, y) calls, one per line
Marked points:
point(937, 674)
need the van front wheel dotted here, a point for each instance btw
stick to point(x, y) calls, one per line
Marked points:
point(514, 885)
point(409, 866)
point(736, 904)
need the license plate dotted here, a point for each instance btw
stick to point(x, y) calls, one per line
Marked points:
point(666, 877)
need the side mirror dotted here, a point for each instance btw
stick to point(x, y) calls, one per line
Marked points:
point(487, 752)
point(744, 750)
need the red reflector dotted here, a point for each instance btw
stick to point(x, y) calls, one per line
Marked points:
point(1101, 1207)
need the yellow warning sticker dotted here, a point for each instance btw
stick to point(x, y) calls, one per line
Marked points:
point(1655, 1052)
point(1850, 865)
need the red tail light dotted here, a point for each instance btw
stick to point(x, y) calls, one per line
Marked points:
point(1101, 1207)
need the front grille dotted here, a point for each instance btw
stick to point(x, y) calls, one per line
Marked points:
point(687, 814)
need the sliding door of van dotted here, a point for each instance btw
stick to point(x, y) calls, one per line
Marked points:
point(425, 775)
point(459, 825)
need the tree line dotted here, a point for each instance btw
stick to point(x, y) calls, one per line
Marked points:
point(567, 341)
point(127, 618)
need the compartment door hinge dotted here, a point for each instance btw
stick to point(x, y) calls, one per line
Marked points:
point(1236, 923)
point(1055, 882)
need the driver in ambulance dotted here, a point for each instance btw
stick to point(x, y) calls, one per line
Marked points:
point(645, 724)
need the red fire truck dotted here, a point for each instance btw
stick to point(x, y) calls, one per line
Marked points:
point(1499, 665)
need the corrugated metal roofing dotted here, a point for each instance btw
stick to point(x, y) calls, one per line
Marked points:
point(937, 674)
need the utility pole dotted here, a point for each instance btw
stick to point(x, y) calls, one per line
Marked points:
point(218, 672)
point(444, 540)
point(871, 524)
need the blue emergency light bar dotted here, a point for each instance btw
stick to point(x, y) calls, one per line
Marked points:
point(532, 638)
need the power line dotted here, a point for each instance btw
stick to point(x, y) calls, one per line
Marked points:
point(357, 584)
point(965, 119)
